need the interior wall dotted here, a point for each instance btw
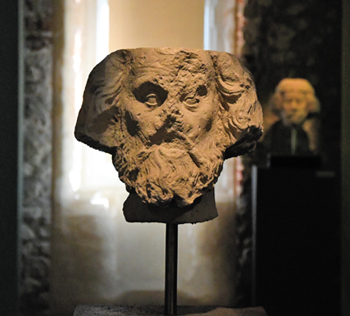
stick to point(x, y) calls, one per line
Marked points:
point(156, 23)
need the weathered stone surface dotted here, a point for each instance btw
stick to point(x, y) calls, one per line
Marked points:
point(169, 117)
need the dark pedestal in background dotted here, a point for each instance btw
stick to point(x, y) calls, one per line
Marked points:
point(296, 253)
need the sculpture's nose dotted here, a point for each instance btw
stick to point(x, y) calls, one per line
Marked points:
point(169, 124)
point(174, 107)
point(171, 113)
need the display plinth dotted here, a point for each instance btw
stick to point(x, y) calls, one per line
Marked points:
point(102, 310)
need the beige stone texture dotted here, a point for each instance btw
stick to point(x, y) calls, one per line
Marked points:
point(169, 117)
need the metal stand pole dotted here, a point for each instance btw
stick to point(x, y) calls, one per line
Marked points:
point(171, 269)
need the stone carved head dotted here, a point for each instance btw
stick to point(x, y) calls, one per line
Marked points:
point(169, 117)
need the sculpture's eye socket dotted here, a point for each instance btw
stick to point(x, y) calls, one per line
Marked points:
point(152, 100)
point(202, 91)
point(191, 100)
point(150, 94)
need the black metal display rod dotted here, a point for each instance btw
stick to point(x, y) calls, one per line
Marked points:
point(171, 269)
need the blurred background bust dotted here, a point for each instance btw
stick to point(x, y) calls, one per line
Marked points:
point(297, 130)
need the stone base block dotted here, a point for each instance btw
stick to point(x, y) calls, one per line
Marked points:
point(101, 310)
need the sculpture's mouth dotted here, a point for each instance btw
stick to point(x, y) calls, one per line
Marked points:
point(171, 151)
point(165, 136)
point(170, 132)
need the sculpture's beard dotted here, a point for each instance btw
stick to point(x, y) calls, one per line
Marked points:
point(169, 172)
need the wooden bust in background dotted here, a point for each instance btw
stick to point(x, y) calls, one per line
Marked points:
point(169, 117)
